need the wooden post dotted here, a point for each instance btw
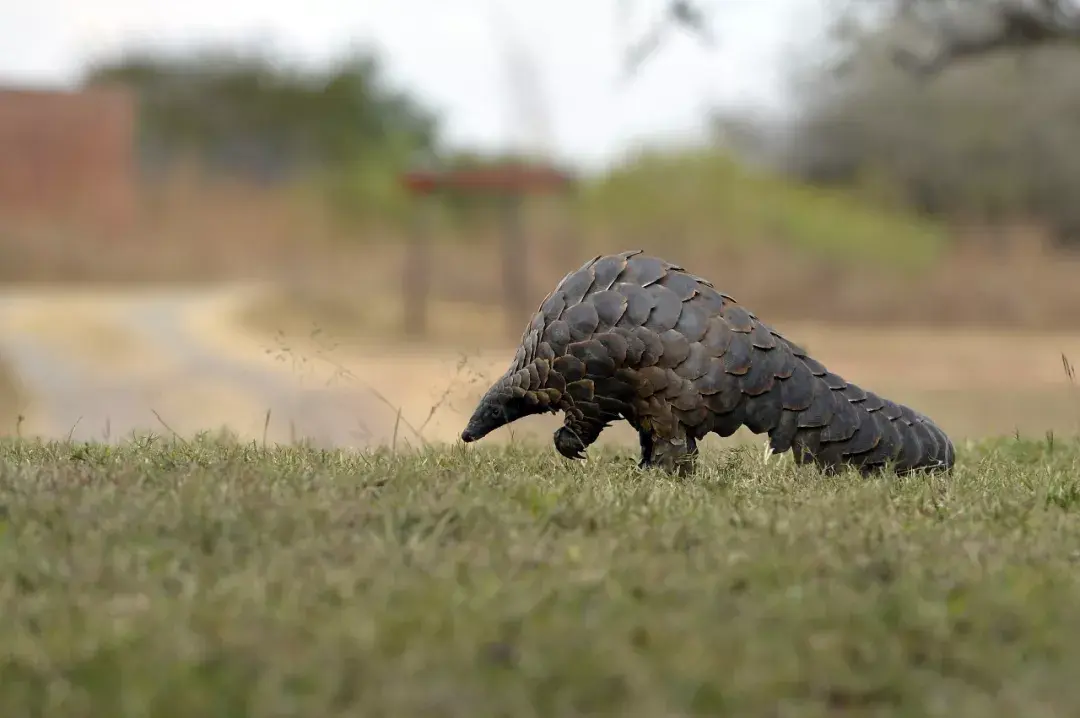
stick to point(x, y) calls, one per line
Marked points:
point(511, 183)
point(514, 261)
point(416, 282)
point(568, 241)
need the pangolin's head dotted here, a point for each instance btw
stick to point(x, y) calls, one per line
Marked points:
point(505, 402)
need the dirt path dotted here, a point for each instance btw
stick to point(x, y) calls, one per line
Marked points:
point(98, 365)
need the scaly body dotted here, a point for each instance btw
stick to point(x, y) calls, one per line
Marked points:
point(629, 336)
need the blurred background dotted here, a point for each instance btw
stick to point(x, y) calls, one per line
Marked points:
point(331, 223)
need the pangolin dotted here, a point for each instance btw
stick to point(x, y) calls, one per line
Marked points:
point(631, 336)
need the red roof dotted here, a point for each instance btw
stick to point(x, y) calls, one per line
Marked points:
point(514, 177)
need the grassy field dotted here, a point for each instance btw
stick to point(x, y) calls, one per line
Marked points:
point(207, 578)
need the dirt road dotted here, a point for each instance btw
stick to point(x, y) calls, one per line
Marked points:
point(100, 365)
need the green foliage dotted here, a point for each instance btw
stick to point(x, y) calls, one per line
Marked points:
point(708, 196)
point(169, 579)
point(371, 187)
point(250, 112)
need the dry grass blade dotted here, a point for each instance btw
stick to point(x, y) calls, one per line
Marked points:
point(397, 425)
point(167, 427)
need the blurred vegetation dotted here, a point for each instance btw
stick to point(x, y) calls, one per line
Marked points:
point(689, 194)
point(874, 168)
point(249, 114)
point(992, 139)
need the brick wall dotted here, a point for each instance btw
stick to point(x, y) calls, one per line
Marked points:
point(68, 157)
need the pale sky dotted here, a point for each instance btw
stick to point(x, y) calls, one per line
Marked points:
point(450, 53)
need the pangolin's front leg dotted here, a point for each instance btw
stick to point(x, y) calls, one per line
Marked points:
point(646, 441)
point(666, 443)
point(676, 455)
point(579, 431)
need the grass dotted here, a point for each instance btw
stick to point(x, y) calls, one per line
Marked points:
point(209, 578)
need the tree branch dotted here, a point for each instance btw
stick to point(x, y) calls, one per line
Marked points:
point(686, 15)
point(1016, 25)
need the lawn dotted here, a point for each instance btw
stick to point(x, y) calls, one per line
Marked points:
point(207, 578)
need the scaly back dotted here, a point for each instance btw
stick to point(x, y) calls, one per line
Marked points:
point(633, 336)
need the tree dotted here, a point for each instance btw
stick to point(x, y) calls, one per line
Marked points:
point(966, 30)
point(249, 113)
point(989, 140)
point(686, 15)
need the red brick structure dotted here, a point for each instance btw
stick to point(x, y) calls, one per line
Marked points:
point(68, 158)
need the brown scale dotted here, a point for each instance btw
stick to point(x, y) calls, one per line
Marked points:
point(631, 337)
